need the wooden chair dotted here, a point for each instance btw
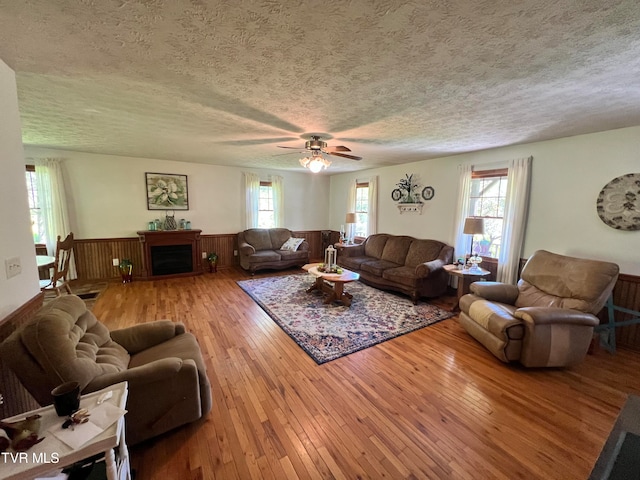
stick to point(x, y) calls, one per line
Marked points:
point(58, 279)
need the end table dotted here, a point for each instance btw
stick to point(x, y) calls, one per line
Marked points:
point(53, 454)
point(466, 277)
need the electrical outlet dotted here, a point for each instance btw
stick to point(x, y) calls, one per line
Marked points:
point(116, 262)
point(12, 266)
point(204, 254)
point(235, 253)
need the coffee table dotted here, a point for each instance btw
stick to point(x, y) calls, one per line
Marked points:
point(332, 283)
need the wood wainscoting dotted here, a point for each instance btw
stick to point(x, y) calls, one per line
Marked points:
point(94, 257)
point(16, 398)
point(94, 262)
point(626, 294)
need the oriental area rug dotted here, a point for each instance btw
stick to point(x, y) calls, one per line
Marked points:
point(330, 331)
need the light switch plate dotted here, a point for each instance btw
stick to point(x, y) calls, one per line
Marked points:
point(12, 266)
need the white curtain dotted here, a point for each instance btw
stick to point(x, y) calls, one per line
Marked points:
point(53, 202)
point(252, 198)
point(277, 188)
point(351, 206)
point(464, 189)
point(372, 220)
point(515, 219)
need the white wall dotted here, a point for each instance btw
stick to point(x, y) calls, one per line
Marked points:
point(567, 176)
point(16, 239)
point(107, 195)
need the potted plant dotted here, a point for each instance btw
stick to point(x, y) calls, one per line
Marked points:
point(212, 258)
point(126, 270)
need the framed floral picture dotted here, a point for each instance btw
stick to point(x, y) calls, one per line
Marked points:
point(166, 191)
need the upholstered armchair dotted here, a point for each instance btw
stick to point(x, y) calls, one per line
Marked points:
point(162, 363)
point(547, 319)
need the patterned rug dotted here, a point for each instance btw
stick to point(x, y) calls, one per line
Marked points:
point(327, 332)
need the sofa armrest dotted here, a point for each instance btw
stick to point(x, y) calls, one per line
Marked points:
point(246, 249)
point(144, 374)
point(496, 291)
point(555, 315)
point(351, 250)
point(304, 247)
point(145, 335)
point(425, 269)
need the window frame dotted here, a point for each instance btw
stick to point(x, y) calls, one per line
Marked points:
point(500, 173)
point(360, 186)
point(35, 211)
point(271, 200)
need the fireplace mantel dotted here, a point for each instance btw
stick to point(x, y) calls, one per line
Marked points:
point(149, 239)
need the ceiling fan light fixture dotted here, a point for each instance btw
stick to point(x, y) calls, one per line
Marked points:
point(315, 163)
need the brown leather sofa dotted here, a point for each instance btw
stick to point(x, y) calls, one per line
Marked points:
point(400, 263)
point(163, 365)
point(261, 249)
point(547, 319)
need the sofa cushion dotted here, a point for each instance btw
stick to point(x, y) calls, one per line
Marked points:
point(278, 237)
point(552, 280)
point(352, 263)
point(421, 251)
point(259, 239)
point(403, 275)
point(262, 256)
point(292, 244)
point(396, 248)
point(78, 345)
point(287, 255)
point(377, 266)
point(374, 245)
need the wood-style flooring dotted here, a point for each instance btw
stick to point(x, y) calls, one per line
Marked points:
point(430, 404)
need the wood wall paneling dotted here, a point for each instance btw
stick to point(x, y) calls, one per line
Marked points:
point(94, 262)
point(626, 294)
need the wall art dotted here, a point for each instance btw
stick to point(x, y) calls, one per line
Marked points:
point(166, 191)
point(618, 204)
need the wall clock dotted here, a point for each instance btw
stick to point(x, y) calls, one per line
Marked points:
point(618, 204)
point(428, 193)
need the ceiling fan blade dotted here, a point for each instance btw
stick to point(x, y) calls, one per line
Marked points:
point(339, 148)
point(294, 148)
point(304, 152)
point(337, 154)
point(256, 141)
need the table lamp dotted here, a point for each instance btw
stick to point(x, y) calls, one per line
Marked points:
point(350, 220)
point(473, 226)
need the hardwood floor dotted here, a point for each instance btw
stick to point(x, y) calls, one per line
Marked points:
point(430, 404)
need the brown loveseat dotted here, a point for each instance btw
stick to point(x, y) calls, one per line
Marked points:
point(401, 263)
point(163, 365)
point(261, 248)
point(547, 320)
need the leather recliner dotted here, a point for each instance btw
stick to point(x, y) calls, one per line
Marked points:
point(548, 318)
point(162, 363)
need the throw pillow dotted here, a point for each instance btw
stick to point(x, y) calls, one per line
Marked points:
point(292, 244)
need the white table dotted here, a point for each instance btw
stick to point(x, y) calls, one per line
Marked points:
point(40, 459)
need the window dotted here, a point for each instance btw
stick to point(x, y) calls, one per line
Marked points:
point(487, 200)
point(37, 214)
point(362, 209)
point(266, 214)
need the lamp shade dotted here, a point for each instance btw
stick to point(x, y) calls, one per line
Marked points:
point(474, 226)
point(351, 218)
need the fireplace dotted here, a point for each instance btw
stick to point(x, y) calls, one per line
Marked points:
point(174, 253)
point(171, 259)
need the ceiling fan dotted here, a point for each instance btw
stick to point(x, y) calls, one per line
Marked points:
point(316, 146)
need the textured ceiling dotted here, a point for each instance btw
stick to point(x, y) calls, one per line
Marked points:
point(224, 82)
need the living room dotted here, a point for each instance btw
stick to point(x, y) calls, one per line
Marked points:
point(106, 194)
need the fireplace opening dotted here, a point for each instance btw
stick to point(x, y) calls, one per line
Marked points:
point(171, 259)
